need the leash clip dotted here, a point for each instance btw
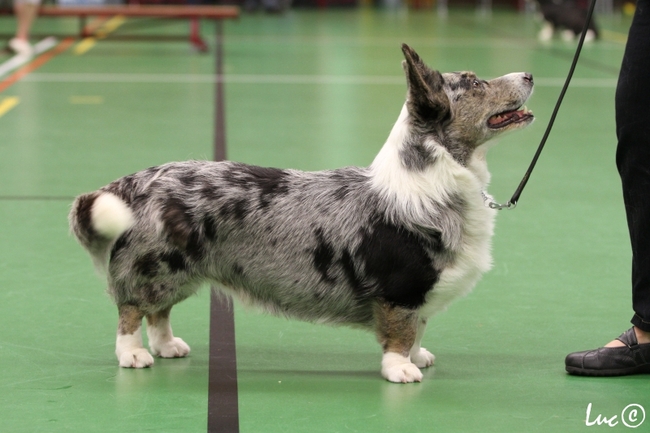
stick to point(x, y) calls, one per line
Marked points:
point(508, 205)
point(488, 201)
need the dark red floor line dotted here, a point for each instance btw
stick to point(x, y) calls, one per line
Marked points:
point(223, 399)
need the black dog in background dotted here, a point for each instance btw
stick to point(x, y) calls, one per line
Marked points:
point(567, 17)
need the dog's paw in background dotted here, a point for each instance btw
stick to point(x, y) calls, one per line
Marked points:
point(422, 358)
point(399, 369)
point(546, 32)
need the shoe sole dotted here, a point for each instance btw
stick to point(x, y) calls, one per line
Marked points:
point(576, 371)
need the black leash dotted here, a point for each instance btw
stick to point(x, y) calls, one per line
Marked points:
point(512, 203)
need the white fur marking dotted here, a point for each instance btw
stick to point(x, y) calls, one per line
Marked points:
point(110, 216)
point(412, 193)
point(130, 352)
point(399, 369)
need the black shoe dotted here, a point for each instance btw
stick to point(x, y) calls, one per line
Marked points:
point(633, 358)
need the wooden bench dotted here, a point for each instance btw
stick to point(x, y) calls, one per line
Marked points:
point(192, 12)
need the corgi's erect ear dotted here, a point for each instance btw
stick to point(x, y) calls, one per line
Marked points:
point(427, 99)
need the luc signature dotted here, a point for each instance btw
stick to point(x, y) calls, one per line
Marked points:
point(632, 416)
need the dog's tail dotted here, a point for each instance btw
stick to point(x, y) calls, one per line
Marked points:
point(97, 220)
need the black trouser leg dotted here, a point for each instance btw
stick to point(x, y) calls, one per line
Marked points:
point(633, 155)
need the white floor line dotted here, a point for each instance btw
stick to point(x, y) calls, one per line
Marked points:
point(278, 79)
point(417, 42)
point(18, 60)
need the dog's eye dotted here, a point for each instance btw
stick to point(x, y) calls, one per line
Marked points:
point(476, 83)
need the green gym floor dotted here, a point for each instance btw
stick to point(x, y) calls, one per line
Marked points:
point(313, 90)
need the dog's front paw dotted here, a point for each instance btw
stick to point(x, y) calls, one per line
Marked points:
point(399, 369)
point(403, 373)
point(423, 358)
point(174, 348)
point(136, 358)
point(568, 35)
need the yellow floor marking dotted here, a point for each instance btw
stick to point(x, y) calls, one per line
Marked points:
point(110, 26)
point(103, 31)
point(7, 104)
point(86, 99)
point(84, 45)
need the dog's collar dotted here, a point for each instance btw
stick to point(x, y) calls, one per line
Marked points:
point(487, 198)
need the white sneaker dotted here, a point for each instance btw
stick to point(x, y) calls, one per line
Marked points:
point(21, 47)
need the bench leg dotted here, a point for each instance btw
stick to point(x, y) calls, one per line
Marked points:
point(83, 32)
point(195, 36)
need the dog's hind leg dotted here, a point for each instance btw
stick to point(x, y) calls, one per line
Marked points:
point(397, 329)
point(128, 347)
point(161, 339)
point(419, 355)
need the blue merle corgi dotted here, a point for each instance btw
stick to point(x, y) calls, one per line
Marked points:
point(382, 247)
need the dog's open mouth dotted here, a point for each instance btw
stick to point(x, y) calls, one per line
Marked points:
point(509, 117)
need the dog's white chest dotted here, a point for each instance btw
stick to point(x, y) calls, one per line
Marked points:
point(472, 259)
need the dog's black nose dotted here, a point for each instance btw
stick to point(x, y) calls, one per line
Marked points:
point(528, 77)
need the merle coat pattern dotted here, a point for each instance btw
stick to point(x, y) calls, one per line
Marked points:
point(381, 247)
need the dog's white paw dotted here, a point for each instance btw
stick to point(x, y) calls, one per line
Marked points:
point(135, 358)
point(399, 369)
point(568, 35)
point(546, 33)
point(423, 358)
point(174, 348)
point(403, 373)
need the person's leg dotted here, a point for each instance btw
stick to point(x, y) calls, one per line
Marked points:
point(25, 11)
point(633, 156)
point(25, 14)
point(630, 353)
